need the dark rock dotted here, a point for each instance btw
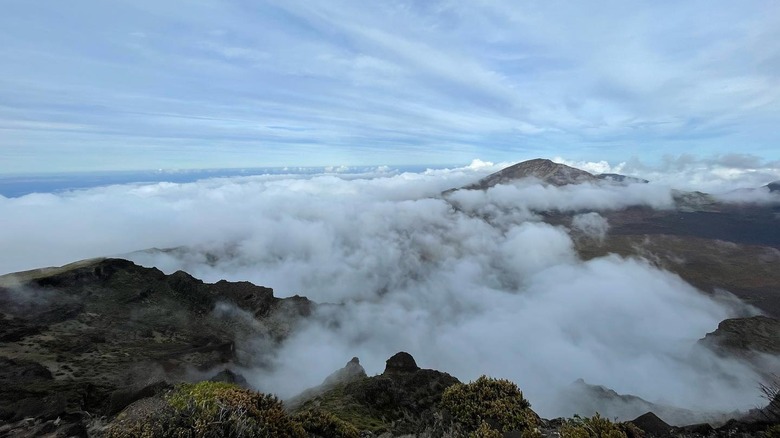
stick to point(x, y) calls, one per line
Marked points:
point(45, 408)
point(20, 371)
point(702, 429)
point(228, 376)
point(402, 362)
point(123, 397)
point(77, 430)
point(652, 425)
point(774, 186)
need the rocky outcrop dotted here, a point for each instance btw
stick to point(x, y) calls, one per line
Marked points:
point(352, 371)
point(774, 186)
point(92, 337)
point(401, 401)
point(652, 425)
point(745, 336)
point(402, 362)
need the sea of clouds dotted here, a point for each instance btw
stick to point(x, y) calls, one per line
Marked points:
point(472, 284)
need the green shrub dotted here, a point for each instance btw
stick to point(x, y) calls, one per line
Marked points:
point(485, 431)
point(494, 403)
point(772, 431)
point(325, 425)
point(594, 427)
point(213, 410)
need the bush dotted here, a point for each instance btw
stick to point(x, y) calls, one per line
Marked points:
point(325, 425)
point(493, 403)
point(596, 427)
point(772, 431)
point(213, 409)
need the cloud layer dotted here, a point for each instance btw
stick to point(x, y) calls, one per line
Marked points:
point(475, 286)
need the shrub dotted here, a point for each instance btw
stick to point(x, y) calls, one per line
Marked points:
point(494, 403)
point(772, 431)
point(214, 409)
point(325, 425)
point(593, 427)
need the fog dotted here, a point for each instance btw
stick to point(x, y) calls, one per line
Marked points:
point(472, 284)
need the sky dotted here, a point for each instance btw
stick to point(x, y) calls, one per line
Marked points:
point(128, 85)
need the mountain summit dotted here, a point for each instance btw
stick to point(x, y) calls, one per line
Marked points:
point(544, 170)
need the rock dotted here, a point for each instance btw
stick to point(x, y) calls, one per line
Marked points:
point(123, 397)
point(351, 371)
point(45, 408)
point(397, 403)
point(703, 429)
point(401, 362)
point(744, 336)
point(228, 376)
point(652, 425)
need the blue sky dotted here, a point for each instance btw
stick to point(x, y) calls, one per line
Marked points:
point(96, 85)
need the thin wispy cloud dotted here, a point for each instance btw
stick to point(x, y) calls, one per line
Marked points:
point(221, 84)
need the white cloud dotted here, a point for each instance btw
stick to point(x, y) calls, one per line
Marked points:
point(507, 296)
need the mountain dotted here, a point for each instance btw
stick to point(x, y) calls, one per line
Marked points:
point(712, 244)
point(773, 186)
point(541, 169)
point(548, 172)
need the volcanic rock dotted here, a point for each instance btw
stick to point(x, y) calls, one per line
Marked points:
point(401, 362)
point(652, 425)
point(745, 336)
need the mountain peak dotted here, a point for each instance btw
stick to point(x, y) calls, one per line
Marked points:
point(545, 170)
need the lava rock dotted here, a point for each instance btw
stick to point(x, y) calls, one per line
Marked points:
point(401, 362)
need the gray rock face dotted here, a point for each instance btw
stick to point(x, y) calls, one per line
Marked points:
point(544, 170)
point(401, 362)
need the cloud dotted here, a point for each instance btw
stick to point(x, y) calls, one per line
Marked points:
point(476, 285)
point(717, 174)
point(218, 85)
point(591, 224)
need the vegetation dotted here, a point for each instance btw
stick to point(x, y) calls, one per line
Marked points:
point(326, 425)
point(489, 404)
point(598, 427)
point(771, 392)
point(213, 409)
point(773, 431)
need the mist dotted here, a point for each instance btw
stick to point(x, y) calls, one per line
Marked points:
point(472, 283)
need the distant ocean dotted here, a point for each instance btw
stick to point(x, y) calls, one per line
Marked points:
point(12, 186)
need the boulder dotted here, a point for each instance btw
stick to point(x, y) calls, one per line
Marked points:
point(401, 362)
